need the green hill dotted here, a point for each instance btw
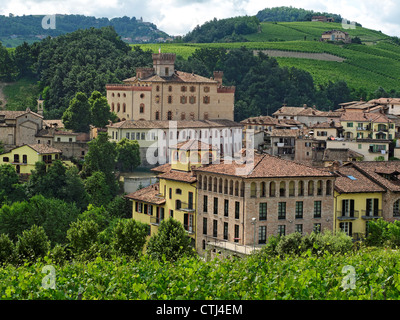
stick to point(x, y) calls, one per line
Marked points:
point(368, 66)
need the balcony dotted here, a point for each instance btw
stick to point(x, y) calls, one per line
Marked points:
point(367, 128)
point(371, 214)
point(156, 220)
point(187, 207)
point(347, 216)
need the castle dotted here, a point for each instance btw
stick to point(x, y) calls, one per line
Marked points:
point(163, 93)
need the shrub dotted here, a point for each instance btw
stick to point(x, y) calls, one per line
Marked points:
point(7, 249)
point(290, 244)
point(378, 233)
point(32, 244)
point(82, 235)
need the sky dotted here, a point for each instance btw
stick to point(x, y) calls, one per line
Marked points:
point(178, 17)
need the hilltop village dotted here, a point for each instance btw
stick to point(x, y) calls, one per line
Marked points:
point(233, 185)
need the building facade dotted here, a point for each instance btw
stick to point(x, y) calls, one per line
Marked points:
point(163, 93)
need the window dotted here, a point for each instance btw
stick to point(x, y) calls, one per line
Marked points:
point(171, 213)
point(183, 88)
point(226, 208)
point(237, 209)
point(291, 189)
point(25, 158)
point(311, 188)
point(236, 239)
point(282, 189)
point(169, 115)
point(169, 99)
point(206, 89)
point(124, 107)
point(348, 208)
point(170, 193)
point(281, 230)
point(319, 188)
point(299, 228)
point(347, 228)
point(299, 210)
point(253, 190)
point(300, 190)
point(6, 159)
point(170, 88)
point(166, 71)
point(178, 191)
point(157, 88)
point(225, 230)
point(282, 210)
point(206, 99)
point(215, 205)
point(192, 89)
point(328, 187)
point(396, 209)
point(350, 125)
point(192, 99)
point(183, 99)
point(372, 208)
point(205, 203)
point(183, 116)
point(317, 209)
point(215, 228)
point(205, 226)
point(263, 190)
point(262, 235)
point(263, 211)
point(141, 108)
point(16, 158)
point(317, 227)
point(157, 115)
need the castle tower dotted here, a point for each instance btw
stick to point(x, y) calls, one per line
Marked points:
point(164, 64)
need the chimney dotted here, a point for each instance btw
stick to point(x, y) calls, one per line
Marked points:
point(218, 77)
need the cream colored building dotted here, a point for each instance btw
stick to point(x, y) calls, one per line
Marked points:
point(163, 93)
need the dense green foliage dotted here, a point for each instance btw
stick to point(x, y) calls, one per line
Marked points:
point(14, 29)
point(224, 30)
point(290, 14)
point(382, 233)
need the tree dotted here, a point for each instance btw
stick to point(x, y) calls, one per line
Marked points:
point(128, 154)
point(77, 116)
point(102, 156)
point(7, 249)
point(99, 110)
point(129, 237)
point(32, 244)
point(10, 189)
point(82, 235)
point(170, 242)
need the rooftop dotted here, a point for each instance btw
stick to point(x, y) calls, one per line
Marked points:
point(148, 194)
point(350, 180)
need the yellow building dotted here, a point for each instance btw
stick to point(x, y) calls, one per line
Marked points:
point(175, 193)
point(358, 200)
point(24, 158)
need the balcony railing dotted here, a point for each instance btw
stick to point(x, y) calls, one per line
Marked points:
point(187, 207)
point(371, 214)
point(156, 220)
point(350, 215)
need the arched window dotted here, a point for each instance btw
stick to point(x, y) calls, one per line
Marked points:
point(291, 189)
point(300, 189)
point(205, 183)
point(328, 187)
point(112, 107)
point(199, 182)
point(253, 190)
point(169, 115)
point(272, 189)
point(220, 185)
point(231, 187)
point(124, 107)
point(310, 188)
point(215, 184)
point(237, 189)
point(182, 157)
point(157, 115)
point(209, 184)
point(263, 190)
point(282, 189)
point(118, 107)
point(226, 186)
point(319, 188)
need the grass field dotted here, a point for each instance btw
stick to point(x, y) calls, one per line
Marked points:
point(21, 94)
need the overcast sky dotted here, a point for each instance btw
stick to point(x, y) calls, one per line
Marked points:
point(177, 17)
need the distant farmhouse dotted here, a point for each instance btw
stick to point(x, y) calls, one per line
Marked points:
point(336, 35)
point(322, 19)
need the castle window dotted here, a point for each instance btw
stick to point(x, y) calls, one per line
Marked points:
point(192, 99)
point(206, 99)
point(112, 107)
point(192, 116)
point(183, 116)
point(118, 107)
point(157, 115)
point(183, 88)
point(205, 115)
point(124, 95)
point(166, 71)
point(124, 107)
point(119, 95)
point(206, 89)
point(113, 94)
point(170, 88)
point(169, 115)
point(183, 99)
point(169, 99)
point(157, 99)
point(142, 95)
point(192, 89)
point(158, 88)
point(141, 108)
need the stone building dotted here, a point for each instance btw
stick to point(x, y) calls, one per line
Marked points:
point(242, 203)
point(163, 93)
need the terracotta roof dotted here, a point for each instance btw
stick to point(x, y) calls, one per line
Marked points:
point(375, 171)
point(162, 169)
point(148, 194)
point(12, 115)
point(340, 155)
point(264, 166)
point(365, 117)
point(287, 132)
point(327, 125)
point(181, 124)
point(178, 76)
point(176, 175)
point(53, 123)
point(193, 144)
point(43, 148)
point(350, 180)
